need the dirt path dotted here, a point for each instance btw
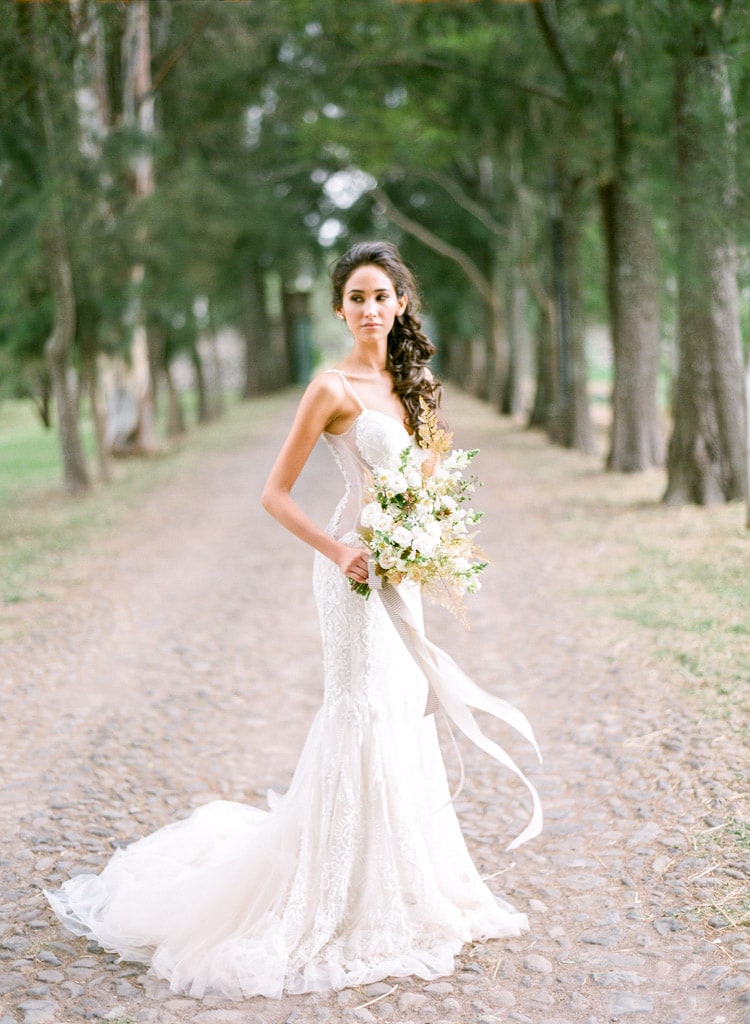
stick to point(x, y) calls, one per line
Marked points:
point(180, 661)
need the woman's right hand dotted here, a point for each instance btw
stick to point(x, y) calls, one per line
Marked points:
point(353, 562)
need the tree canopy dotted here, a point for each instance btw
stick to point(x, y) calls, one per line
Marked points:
point(167, 167)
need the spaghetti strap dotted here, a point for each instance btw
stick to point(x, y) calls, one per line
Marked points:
point(348, 387)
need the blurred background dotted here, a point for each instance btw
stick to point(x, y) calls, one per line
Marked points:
point(567, 179)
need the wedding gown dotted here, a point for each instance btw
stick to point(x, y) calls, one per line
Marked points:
point(359, 872)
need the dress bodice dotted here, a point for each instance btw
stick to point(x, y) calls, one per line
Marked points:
point(374, 439)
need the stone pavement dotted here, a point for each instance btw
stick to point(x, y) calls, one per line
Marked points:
point(178, 660)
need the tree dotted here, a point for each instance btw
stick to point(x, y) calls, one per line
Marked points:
point(60, 341)
point(706, 461)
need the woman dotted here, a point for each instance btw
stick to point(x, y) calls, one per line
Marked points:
point(359, 872)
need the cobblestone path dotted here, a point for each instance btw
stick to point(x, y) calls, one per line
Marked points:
point(178, 660)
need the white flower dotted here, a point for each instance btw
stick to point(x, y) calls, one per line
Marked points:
point(396, 483)
point(386, 560)
point(426, 544)
point(382, 521)
point(368, 514)
point(432, 527)
point(402, 536)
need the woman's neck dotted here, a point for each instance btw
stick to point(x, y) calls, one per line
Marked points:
point(368, 363)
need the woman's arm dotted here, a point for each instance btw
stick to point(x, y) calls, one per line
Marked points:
point(321, 404)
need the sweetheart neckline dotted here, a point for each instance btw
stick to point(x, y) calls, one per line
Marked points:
point(356, 419)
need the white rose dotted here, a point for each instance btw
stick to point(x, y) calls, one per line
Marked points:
point(426, 544)
point(386, 560)
point(395, 483)
point(382, 522)
point(369, 513)
point(402, 537)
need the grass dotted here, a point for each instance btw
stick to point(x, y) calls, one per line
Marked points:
point(691, 588)
point(40, 528)
point(727, 847)
point(29, 455)
point(679, 576)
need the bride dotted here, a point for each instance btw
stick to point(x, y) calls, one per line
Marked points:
point(359, 872)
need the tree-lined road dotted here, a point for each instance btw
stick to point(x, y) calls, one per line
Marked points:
point(178, 660)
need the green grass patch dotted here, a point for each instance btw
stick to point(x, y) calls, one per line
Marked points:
point(29, 454)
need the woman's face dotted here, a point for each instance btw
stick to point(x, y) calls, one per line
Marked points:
point(370, 304)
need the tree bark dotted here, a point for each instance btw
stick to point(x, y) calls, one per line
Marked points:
point(519, 343)
point(706, 461)
point(60, 342)
point(57, 352)
point(135, 377)
point(255, 328)
point(636, 440)
point(544, 392)
point(204, 401)
point(175, 411)
point(98, 414)
point(497, 340)
point(570, 420)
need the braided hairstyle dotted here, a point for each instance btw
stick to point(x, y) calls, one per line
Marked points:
point(409, 350)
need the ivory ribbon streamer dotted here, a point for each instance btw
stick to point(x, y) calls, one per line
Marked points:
point(452, 689)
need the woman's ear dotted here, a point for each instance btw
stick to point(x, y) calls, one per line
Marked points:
point(403, 302)
point(339, 313)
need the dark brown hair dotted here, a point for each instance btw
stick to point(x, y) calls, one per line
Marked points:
point(409, 350)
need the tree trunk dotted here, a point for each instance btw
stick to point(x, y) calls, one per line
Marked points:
point(636, 439)
point(484, 383)
point(135, 376)
point(204, 403)
point(546, 361)
point(706, 461)
point(255, 328)
point(216, 374)
point(98, 414)
point(570, 420)
point(494, 378)
point(57, 352)
point(60, 342)
point(40, 385)
point(175, 411)
point(519, 344)
point(297, 337)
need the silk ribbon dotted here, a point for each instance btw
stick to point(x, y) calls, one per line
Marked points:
point(451, 689)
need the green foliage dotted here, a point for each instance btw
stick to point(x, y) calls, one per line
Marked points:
point(466, 114)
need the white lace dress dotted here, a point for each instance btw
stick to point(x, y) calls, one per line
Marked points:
point(358, 873)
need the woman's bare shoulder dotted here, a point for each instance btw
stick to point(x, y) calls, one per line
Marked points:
point(325, 394)
point(326, 382)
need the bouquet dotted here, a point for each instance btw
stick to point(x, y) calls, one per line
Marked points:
point(417, 522)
